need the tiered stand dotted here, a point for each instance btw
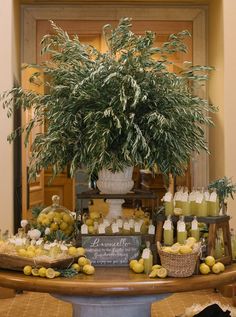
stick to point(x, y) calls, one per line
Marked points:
point(213, 223)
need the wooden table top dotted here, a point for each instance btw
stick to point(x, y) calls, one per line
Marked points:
point(115, 281)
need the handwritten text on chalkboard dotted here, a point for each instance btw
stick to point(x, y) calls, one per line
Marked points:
point(111, 250)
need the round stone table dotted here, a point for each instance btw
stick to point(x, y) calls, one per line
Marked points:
point(114, 291)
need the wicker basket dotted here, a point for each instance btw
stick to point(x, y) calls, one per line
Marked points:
point(178, 265)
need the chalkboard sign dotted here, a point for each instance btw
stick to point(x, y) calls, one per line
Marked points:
point(111, 250)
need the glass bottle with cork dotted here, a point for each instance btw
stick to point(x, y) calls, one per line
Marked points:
point(185, 203)
point(168, 203)
point(147, 258)
point(168, 232)
point(214, 205)
point(201, 204)
point(181, 230)
point(195, 231)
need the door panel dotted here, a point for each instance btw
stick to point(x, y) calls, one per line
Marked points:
point(32, 193)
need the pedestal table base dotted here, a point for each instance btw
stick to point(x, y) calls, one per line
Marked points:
point(112, 306)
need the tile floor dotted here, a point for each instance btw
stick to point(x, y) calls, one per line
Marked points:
point(43, 305)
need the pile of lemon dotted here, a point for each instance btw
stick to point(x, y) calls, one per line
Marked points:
point(84, 265)
point(56, 220)
point(190, 246)
point(210, 265)
point(137, 266)
point(41, 272)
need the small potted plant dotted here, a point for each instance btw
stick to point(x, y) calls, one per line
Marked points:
point(224, 188)
point(114, 110)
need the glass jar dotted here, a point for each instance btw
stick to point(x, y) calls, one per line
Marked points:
point(56, 218)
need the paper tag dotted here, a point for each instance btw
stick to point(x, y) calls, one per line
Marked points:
point(114, 228)
point(213, 197)
point(184, 197)
point(167, 197)
point(101, 228)
point(207, 195)
point(151, 229)
point(84, 229)
point(167, 225)
point(131, 223)
point(146, 254)
point(181, 227)
point(106, 223)
point(199, 198)
point(194, 225)
point(137, 227)
point(119, 223)
point(192, 196)
point(126, 226)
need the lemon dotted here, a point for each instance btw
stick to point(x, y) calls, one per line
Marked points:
point(39, 252)
point(45, 222)
point(67, 218)
point(216, 268)
point(73, 251)
point(54, 226)
point(94, 215)
point(167, 249)
point(76, 267)
point(91, 230)
point(88, 269)
point(81, 251)
point(138, 267)
point(42, 271)
point(30, 254)
point(22, 252)
point(50, 215)
point(210, 260)
point(204, 268)
point(50, 273)
point(175, 249)
point(89, 222)
point(153, 273)
point(185, 249)
point(156, 266)
point(31, 248)
point(190, 241)
point(57, 273)
point(35, 272)
point(132, 262)
point(221, 265)
point(162, 272)
point(27, 270)
point(141, 261)
point(83, 261)
point(63, 226)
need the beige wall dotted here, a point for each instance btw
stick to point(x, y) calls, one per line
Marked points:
point(8, 62)
point(216, 89)
point(229, 11)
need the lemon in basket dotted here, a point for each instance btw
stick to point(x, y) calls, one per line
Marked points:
point(185, 249)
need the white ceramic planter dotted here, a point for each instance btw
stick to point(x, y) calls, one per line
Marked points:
point(115, 183)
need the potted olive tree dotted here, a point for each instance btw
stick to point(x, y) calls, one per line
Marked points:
point(114, 110)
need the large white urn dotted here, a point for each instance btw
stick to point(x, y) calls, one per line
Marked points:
point(115, 183)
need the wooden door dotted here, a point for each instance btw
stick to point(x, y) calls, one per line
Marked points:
point(33, 192)
point(90, 31)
